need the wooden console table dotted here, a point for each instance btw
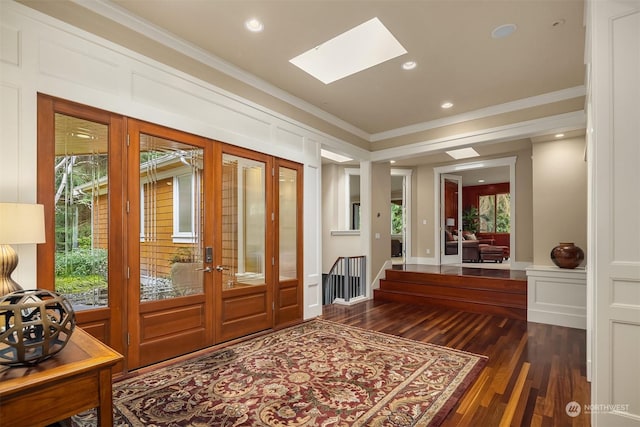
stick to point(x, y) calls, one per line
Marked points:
point(74, 380)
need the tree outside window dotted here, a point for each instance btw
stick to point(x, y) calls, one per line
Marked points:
point(396, 218)
point(495, 213)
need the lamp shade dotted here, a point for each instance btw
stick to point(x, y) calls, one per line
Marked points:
point(451, 222)
point(21, 223)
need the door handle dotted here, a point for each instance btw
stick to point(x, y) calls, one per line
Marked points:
point(206, 269)
point(221, 267)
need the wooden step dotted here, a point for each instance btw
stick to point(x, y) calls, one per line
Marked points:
point(477, 294)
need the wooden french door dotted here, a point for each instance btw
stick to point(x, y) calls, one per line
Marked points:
point(170, 243)
point(288, 297)
point(80, 180)
point(244, 263)
point(165, 242)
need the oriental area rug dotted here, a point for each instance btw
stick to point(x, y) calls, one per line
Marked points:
point(318, 373)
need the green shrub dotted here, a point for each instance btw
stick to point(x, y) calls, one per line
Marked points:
point(82, 262)
point(75, 284)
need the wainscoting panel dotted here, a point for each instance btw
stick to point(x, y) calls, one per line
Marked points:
point(289, 139)
point(312, 243)
point(155, 88)
point(557, 296)
point(10, 46)
point(625, 352)
point(81, 66)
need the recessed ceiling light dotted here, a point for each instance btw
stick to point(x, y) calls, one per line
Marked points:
point(409, 65)
point(362, 47)
point(334, 156)
point(392, 161)
point(503, 31)
point(447, 105)
point(463, 153)
point(481, 180)
point(254, 25)
point(559, 135)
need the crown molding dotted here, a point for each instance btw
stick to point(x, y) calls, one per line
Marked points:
point(494, 110)
point(561, 122)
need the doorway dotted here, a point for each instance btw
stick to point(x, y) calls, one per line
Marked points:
point(463, 168)
point(400, 215)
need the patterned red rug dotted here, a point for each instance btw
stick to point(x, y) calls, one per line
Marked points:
point(318, 373)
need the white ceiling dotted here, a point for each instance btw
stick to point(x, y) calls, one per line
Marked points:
point(458, 61)
point(450, 40)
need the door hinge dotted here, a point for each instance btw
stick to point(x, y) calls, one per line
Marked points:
point(273, 305)
point(128, 273)
point(273, 216)
point(273, 261)
point(128, 339)
point(128, 140)
point(128, 206)
point(273, 172)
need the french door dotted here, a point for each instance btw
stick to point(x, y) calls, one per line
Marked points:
point(80, 180)
point(244, 263)
point(451, 219)
point(165, 242)
point(169, 243)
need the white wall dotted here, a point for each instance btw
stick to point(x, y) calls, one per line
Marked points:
point(41, 54)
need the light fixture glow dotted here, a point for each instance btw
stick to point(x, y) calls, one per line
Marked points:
point(559, 135)
point(446, 105)
point(362, 47)
point(334, 156)
point(481, 180)
point(409, 65)
point(463, 153)
point(503, 31)
point(254, 25)
point(392, 161)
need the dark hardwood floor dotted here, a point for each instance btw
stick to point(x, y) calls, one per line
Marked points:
point(534, 370)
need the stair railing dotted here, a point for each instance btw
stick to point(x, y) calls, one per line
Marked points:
point(346, 280)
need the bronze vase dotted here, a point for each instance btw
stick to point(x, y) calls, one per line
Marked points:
point(567, 255)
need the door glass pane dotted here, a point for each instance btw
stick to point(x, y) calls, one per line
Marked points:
point(243, 221)
point(450, 217)
point(81, 188)
point(171, 219)
point(288, 208)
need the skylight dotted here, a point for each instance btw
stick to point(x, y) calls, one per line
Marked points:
point(463, 153)
point(362, 47)
point(334, 156)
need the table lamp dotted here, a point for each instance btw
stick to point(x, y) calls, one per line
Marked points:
point(450, 222)
point(20, 223)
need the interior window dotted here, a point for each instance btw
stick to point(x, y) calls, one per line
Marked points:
point(353, 198)
point(183, 208)
point(495, 213)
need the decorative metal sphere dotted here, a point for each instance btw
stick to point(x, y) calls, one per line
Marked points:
point(34, 325)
